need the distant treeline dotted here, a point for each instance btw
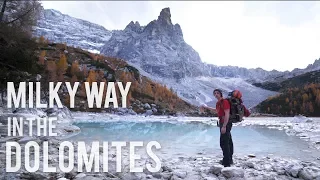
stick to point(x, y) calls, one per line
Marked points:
point(303, 100)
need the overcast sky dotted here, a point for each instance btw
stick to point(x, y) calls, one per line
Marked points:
point(271, 35)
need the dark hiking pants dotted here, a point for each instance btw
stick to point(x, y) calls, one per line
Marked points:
point(226, 144)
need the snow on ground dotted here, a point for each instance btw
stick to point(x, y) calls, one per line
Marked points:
point(306, 128)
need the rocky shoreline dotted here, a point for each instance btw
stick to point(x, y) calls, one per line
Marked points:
point(201, 166)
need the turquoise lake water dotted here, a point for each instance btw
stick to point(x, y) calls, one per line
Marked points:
point(191, 138)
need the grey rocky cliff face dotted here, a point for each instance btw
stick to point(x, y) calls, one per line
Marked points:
point(158, 48)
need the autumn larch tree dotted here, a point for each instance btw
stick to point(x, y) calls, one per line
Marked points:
point(62, 66)
point(91, 77)
point(74, 68)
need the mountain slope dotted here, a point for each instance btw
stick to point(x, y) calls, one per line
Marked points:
point(61, 28)
point(67, 64)
point(199, 90)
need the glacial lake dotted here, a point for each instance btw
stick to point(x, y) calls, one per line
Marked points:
point(192, 138)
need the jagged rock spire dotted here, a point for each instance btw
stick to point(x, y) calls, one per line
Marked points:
point(165, 16)
point(133, 26)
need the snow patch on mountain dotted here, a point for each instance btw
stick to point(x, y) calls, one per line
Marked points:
point(61, 28)
point(199, 90)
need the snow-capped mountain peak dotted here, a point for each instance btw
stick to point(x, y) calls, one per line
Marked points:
point(159, 51)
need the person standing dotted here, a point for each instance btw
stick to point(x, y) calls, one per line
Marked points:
point(223, 111)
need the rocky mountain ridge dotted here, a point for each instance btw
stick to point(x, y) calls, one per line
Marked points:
point(159, 51)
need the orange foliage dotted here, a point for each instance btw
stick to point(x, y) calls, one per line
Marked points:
point(62, 66)
point(92, 77)
point(42, 40)
point(41, 57)
point(74, 68)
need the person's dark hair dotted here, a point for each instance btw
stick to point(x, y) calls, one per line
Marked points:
point(218, 91)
